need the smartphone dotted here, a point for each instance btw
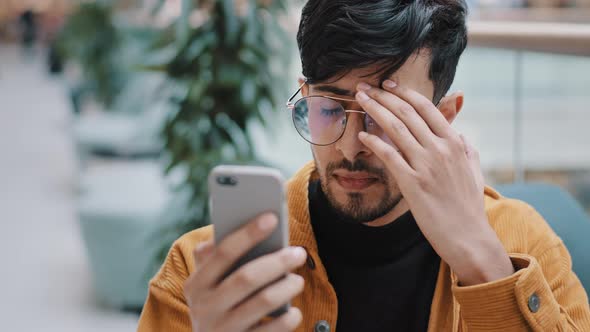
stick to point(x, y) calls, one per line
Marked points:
point(237, 194)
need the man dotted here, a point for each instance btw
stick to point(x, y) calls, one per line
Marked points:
point(391, 226)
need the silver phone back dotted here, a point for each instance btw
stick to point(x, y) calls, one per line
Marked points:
point(256, 190)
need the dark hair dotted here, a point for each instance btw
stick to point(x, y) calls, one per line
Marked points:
point(336, 36)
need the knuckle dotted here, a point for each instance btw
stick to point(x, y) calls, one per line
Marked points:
point(398, 126)
point(252, 231)
point(224, 253)
point(438, 148)
point(375, 93)
point(443, 152)
point(455, 151)
point(423, 104)
point(371, 103)
point(406, 109)
point(381, 94)
point(449, 153)
point(422, 182)
point(267, 299)
point(245, 278)
point(456, 143)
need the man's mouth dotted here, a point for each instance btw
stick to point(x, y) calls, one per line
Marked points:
point(354, 180)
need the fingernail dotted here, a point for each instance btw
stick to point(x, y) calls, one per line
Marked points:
point(298, 253)
point(362, 96)
point(363, 135)
point(363, 86)
point(267, 222)
point(389, 84)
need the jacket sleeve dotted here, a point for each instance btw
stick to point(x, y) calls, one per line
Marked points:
point(543, 294)
point(165, 308)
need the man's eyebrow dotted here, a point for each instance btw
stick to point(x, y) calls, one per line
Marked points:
point(334, 90)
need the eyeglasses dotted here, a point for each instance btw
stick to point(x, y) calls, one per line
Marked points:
point(321, 120)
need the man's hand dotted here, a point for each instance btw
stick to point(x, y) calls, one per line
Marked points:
point(241, 300)
point(440, 177)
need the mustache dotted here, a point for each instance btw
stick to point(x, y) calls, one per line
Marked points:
point(359, 165)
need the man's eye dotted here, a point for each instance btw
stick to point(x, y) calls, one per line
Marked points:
point(330, 112)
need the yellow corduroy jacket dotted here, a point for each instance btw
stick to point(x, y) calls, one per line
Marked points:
point(542, 262)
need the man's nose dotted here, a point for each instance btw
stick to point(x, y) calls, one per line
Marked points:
point(349, 144)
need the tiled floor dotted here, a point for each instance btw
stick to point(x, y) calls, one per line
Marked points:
point(45, 279)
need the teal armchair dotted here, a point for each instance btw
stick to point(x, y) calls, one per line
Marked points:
point(565, 215)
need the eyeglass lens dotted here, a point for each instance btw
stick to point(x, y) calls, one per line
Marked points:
point(322, 121)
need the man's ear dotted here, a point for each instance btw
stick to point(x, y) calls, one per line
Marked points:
point(304, 88)
point(451, 105)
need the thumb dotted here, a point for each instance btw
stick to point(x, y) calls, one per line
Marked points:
point(474, 162)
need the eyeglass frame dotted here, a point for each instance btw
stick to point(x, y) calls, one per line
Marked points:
point(291, 106)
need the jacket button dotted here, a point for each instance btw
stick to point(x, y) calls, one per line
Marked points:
point(534, 303)
point(322, 326)
point(310, 262)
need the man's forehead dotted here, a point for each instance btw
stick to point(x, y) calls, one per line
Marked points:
point(346, 85)
point(414, 73)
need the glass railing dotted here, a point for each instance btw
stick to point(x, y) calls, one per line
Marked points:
point(526, 78)
point(527, 105)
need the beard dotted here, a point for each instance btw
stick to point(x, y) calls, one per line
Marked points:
point(357, 208)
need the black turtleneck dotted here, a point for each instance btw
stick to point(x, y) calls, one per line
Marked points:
point(384, 277)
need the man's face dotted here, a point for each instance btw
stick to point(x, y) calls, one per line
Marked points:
point(357, 184)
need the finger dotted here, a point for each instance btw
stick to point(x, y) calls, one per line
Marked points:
point(474, 161)
point(390, 156)
point(394, 128)
point(431, 115)
point(201, 252)
point(264, 302)
point(288, 321)
point(234, 246)
point(404, 111)
point(191, 285)
point(256, 274)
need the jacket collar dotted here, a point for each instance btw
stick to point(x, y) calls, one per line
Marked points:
point(300, 230)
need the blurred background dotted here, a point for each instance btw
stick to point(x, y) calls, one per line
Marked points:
point(113, 112)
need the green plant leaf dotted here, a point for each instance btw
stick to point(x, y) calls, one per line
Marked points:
point(226, 77)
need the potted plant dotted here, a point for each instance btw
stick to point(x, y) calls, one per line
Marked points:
point(90, 39)
point(224, 72)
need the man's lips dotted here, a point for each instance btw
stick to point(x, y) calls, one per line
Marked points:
point(354, 181)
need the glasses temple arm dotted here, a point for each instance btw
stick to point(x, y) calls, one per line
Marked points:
point(296, 93)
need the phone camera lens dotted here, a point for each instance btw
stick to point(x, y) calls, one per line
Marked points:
point(227, 180)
